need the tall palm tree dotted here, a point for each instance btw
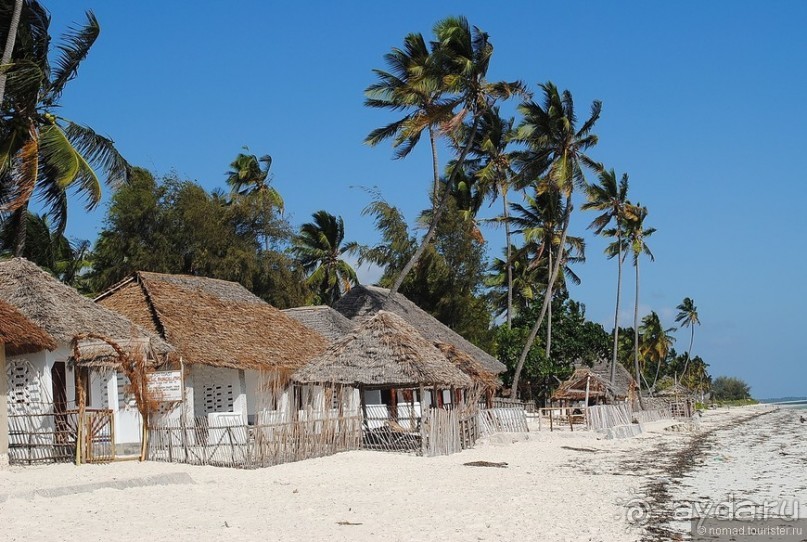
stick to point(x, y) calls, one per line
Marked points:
point(636, 236)
point(414, 84)
point(462, 55)
point(40, 151)
point(688, 317)
point(610, 198)
point(656, 342)
point(320, 247)
point(556, 153)
point(491, 165)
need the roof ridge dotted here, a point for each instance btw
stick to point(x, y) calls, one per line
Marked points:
point(155, 313)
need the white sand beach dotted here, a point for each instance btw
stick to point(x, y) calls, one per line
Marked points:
point(556, 486)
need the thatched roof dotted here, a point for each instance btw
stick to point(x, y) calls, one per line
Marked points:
point(468, 365)
point(383, 352)
point(361, 302)
point(676, 390)
point(214, 322)
point(19, 334)
point(65, 314)
point(599, 384)
point(324, 320)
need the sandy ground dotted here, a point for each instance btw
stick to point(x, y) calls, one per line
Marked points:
point(556, 486)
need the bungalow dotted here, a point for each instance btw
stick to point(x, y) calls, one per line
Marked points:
point(236, 351)
point(42, 384)
point(594, 383)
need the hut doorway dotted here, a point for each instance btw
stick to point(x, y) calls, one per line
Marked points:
point(59, 383)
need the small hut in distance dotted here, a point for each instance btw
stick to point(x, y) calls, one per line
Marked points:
point(593, 384)
point(385, 358)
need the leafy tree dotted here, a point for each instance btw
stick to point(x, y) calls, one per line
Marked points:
point(175, 226)
point(320, 248)
point(729, 388)
point(41, 152)
point(688, 317)
point(556, 153)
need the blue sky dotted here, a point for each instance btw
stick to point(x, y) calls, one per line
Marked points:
point(703, 107)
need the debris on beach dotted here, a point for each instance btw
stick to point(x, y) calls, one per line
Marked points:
point(502, 465)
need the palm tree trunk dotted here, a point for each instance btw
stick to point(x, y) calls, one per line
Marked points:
point(547, 298)
point(549, 318)
point(509, 259)
point(438, 212)
point(21, 217)
point(435, 167)
point(10, 40)
point(689, 352)
point(658, 369)
point(636, 337)
point(614, 361)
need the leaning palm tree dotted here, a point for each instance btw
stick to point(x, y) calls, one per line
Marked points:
point(320, 247)
point(247, 177)
point(636, 236)
point(556, 154)
point(41, 152)
point(462, 56)
point(11, 38)
point(610, 198)
point(688, 317)
point(656, 342)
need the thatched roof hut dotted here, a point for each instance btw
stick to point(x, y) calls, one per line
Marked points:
point(362, 302)
point(19, 334)
point(675, 391)
point(383, 352)
point(324, 320)
point(468, 365)
point(599, 383)
point(214, 322)
point(66, 314)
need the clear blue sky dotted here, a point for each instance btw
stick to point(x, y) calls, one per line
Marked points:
point(703, 106)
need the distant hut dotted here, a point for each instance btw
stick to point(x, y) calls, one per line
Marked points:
point(237, 350)
point(392, 366)
point(362, 302)
point(324, 320)
point(44, 384)
point(679, 399)
point(18, 336)
point(595, 384)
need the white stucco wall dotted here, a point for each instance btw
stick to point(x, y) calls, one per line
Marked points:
point(3, 409)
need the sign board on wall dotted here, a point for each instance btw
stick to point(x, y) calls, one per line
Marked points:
point(165, 385)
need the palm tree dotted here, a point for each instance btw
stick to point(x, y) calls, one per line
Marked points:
point(11, 37)
point(320, 248)
point(656, 342)
point(247, 177)
point(413, 84)
point(556, 152)
point(688, 317)
point(462, 57)
point(491, 165)
point(513, 282)
point(611, 199)
point(636, 236)
point(42, 152)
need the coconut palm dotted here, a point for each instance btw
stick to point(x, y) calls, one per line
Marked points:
point(491, 166)
point(413, 84)
point(555, 154)
point(688, 317)
point(462, 56)
point(610, 198)
point(656, 342)
point(41, 152)
point(247, 177)
point(320, 247)
point(636, 236)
